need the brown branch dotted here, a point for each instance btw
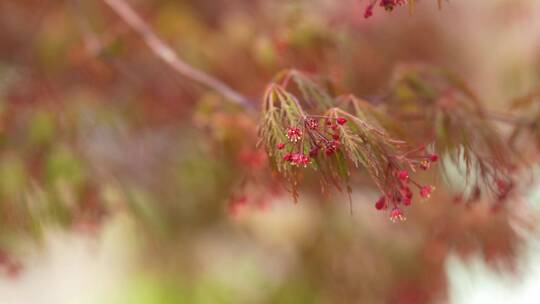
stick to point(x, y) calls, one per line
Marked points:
point(166, 53)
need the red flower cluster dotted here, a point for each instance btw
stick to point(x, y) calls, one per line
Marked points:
point(297, 159)
point(294, 134)
point(388, 5)
point(310, 138)
point(400, 193)
point(319, 136)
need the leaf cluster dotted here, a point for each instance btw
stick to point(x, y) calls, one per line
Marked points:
point(455, 120)
point(364, 143)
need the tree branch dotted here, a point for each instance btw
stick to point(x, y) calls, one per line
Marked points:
point(166, 53)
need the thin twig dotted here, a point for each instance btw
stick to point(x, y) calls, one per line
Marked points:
point(166, 53)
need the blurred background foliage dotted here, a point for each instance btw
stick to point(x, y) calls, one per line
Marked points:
point(93, 127)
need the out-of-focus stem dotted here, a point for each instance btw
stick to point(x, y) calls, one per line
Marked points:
point(167, 54)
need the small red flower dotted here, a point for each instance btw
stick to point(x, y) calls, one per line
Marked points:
point(280, 146)
point(397, 214)
point(504, 188)
point(425, 164)
point(425, 191)
point(294, 134)
point(300, 159)
point(403, 175)
point(329, 151)
point(341, 120)
point(288, 157)
point(328, 122)
point(369, 11)
point(502, 185)
point(381, 203)
point(433, 157)
point(406, 192)
point(407, 201)
point(331, 148)
point(312, 123)
point(389, 5)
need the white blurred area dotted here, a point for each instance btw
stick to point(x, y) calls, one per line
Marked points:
point(475, 282)
point(73, 268)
